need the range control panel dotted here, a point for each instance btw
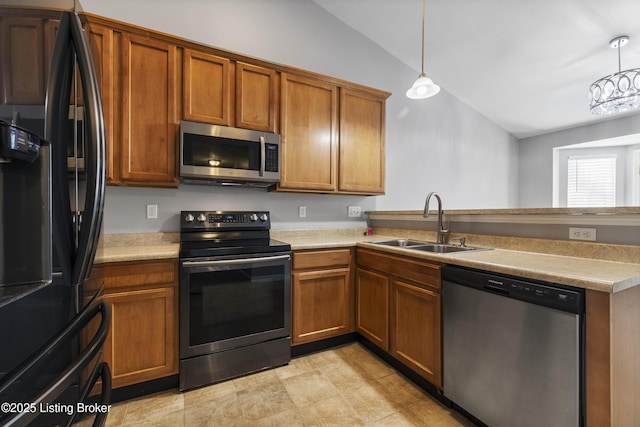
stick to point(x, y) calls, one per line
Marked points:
point(229, 220)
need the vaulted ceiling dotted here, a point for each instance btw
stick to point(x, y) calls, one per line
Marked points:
point(526, 65)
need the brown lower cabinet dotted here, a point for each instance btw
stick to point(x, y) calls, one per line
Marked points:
point(142, 344)
point(415, 328)
point(398, 308)
point(322, 295)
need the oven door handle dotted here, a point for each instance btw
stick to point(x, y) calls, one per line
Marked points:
point(234, 261)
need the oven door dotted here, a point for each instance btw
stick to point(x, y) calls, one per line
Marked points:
point(229, 302)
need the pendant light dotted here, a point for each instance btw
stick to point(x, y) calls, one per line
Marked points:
point(618, 92)
point(424, 87)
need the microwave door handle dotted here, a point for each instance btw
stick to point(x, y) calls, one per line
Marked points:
point(262, 154)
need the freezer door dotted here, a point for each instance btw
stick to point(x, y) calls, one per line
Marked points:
point(25, 225)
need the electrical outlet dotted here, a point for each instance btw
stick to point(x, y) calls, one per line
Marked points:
point(152, 211)
point(577, 233)
point(302, 211)
point(354, 211)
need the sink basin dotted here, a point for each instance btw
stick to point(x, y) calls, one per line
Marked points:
point(443, 248)
point(400, 243)
point(418, 245)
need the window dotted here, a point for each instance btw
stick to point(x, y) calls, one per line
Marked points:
point(591, 181)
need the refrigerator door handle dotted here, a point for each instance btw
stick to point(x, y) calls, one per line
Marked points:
point(21, 375)
point(57, 113)
point(100, 371)
point(94, 155)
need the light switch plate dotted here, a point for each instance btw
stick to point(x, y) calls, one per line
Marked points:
point(152, 211)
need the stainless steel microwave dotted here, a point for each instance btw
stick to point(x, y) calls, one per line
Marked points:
point(222, 155)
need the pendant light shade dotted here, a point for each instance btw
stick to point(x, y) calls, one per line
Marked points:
point(424, 87)
point(618, 92)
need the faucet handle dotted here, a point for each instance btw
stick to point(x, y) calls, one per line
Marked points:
point(463, 241)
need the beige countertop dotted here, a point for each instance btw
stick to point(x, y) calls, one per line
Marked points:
point(137, 252)
point(137, 247)
point(605, 276)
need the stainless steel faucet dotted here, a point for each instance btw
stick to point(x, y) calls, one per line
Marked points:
point(441, 232)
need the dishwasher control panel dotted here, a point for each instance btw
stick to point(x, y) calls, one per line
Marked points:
point(549, 294)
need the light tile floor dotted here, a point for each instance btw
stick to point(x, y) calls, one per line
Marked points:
point(344, 386)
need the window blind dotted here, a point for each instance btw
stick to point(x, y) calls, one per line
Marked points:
point(591, 181)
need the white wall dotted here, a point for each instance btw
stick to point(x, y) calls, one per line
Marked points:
point(536, 156)
point(436, 144)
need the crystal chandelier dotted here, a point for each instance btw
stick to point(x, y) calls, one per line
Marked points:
point(618, 92)
point(424, 87)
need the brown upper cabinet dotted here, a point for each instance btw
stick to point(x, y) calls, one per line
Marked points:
point(139, 79)
point(332, 137)
point(149, 107)
point(256, 97)
point(229, 93)
point(309, 131)
point(207, 88)
point(332, 131)
point(361, 159)
point(102, 45)
point(24, 76)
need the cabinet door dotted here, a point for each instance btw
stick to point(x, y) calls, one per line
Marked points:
point(321, 304)
point(256, 97)
point(149, 119)
point(362, 131)
point(415, 329)
point(207, 88)
point(309, 134)
point(101, 41)
point(141, 344)
point(24, 75)
point(372, 310)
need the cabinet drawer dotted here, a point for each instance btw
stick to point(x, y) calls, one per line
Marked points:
point(374, 260)
point(408, 268)
point(427, 274)
point(137, 274)
point(321, 259)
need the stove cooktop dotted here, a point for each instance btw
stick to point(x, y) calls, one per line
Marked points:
point(217, 233)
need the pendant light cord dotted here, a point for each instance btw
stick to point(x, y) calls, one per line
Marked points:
point(422, 70)
point(619, 63)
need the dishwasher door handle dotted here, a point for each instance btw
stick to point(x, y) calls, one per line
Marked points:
point(496, 289)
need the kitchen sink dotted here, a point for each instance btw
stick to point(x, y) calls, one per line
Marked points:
point(400, 243)
point(418, 245)
point(444, 248)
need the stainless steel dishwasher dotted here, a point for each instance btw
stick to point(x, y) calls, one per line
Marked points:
point(513, 349)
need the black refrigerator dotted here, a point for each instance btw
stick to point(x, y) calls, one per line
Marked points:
point(53, 322)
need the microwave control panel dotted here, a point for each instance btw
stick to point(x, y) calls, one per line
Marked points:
point(271, 157)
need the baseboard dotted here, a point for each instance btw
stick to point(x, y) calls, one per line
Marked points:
point(313, 347)
point(141, 389)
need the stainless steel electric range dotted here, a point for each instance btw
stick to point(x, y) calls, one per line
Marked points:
point(235, 296)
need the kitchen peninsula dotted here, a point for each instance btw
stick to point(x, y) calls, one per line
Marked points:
point(611, 286)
